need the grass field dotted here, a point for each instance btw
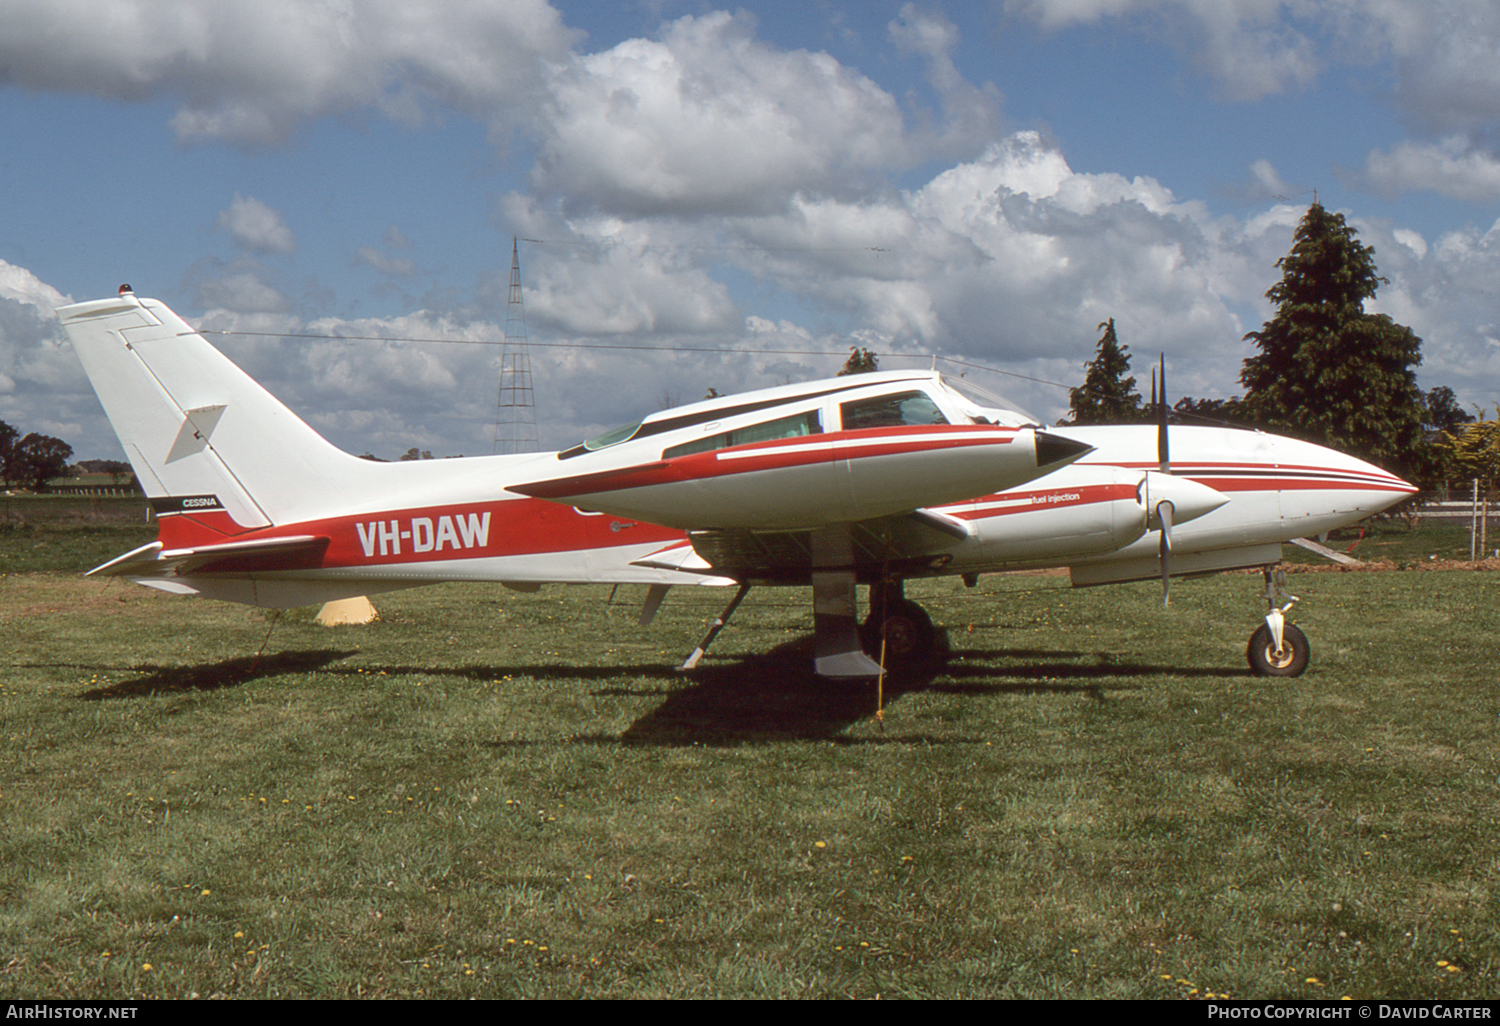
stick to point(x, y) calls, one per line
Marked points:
point(500, 795)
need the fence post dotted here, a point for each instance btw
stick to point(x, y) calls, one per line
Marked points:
point(1474, 522)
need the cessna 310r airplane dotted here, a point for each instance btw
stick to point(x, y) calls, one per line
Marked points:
point(872, 478)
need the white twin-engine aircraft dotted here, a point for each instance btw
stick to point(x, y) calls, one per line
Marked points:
point(871, 478)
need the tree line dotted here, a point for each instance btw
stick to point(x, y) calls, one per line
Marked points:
point(1326, 371)
point(31, 461)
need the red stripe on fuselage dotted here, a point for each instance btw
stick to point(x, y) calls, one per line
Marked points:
point(1276, 476)
point(463, 531)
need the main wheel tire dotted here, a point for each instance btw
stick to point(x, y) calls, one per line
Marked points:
point(1265, 661)
point(907, 631)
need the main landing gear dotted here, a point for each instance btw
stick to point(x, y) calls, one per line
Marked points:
point(902, 626)
point(1278, 648)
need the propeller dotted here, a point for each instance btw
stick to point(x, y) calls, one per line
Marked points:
point(1164, 508)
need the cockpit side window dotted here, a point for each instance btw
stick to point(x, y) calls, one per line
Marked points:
point(903, 408)
point(807, 423)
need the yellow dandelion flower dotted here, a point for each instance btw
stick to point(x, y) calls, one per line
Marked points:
point(820, 844)
point(146, 968)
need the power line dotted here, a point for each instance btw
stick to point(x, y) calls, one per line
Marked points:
point(674, 247)
point(631, 348)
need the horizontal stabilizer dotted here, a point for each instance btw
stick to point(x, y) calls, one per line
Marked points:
point(231, 557)
point(680, 556)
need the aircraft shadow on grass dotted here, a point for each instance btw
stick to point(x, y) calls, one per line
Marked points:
point(775, 695)
point(766, 696)
point(226, 673)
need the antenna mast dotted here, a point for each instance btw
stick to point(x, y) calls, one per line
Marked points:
point(515, 412)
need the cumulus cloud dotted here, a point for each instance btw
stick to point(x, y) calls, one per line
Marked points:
point(1447, 78)
point(21, 286)
point(1253, 48)
point(1266, 181)
point(256, 227)
point(711, 119)
point(971, 115)
point(668, 167)
point(1453, 167)
point(385, 263)
point(254, 73)
point(42, 386)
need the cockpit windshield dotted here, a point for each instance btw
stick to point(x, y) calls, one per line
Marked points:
point(615, 437)
point(987, 404)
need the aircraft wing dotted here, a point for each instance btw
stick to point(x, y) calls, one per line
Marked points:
point(919, 539)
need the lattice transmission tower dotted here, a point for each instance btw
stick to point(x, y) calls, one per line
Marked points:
point(515, 411)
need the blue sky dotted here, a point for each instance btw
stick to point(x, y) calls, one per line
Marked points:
point(733, 189)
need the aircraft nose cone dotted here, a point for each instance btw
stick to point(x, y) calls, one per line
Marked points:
point(1055, 450)
point(1189, 499)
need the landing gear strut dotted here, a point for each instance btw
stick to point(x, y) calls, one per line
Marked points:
point(903, 626)
point(1278, 648)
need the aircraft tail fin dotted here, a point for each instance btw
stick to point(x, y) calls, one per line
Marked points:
point(207, 442)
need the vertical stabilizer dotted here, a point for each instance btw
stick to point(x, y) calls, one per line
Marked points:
point(200, 433)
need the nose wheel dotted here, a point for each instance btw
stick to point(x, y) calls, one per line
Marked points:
point(1269, 660)
point(1278, 648)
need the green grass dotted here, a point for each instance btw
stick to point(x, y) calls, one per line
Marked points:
point(46, 532)
point(500, 795)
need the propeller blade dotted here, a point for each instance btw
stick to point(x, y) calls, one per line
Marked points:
point(1162, 454)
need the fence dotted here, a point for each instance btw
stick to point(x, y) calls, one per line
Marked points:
point(1478, 510)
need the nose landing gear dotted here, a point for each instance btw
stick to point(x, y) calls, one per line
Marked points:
point(1278, 648)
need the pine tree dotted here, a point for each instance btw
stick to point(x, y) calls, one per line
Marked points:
point(1107, 396)
point(1327, 371)
point(861, 361)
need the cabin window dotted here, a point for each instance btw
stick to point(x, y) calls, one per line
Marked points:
point(900, 409)
point(785, 427)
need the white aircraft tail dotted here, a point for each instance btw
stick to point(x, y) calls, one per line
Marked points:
point(201, 434)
